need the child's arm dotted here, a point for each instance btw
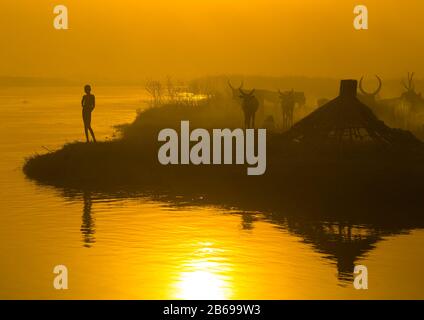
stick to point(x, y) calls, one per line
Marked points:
point(82, 101)
point(94, 102)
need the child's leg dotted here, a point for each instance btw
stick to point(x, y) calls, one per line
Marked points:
point(92, 134)
point(86, 133)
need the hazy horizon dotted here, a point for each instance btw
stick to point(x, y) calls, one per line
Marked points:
point(129, 40)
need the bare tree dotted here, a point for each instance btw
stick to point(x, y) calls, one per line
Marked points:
point(171, 89)
point(155, 90)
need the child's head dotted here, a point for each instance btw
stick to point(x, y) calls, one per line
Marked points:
point(87, 89)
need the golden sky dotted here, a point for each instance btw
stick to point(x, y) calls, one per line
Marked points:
point(135, 39)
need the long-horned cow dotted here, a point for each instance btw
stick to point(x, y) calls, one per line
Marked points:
point(411, 102)
point(235, 91)
point(369, 98)
point(390, 110)
point(411, 96)
point(249, 105)
point(396, 111)
point(262, 95)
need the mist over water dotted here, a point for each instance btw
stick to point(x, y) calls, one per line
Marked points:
point(132, 245)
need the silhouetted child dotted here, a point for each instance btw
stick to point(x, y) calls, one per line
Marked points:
point(88, 104)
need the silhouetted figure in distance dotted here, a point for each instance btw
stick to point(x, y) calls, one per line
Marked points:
point(88, 104)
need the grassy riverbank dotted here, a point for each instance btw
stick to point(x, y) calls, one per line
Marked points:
point(311, 183)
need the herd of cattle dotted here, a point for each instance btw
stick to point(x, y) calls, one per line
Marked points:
point(405, 111)
point(254, 101)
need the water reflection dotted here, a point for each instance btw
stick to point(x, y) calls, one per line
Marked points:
point(342, 243)
point(203, 279)
point(88, 227)
point(247, 220)
point(206, 273)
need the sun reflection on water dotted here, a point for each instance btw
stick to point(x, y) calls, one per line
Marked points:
point(205, 277)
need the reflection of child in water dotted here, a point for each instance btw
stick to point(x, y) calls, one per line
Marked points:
point(88, 103)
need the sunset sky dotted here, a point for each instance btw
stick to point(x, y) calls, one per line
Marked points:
point(134, 39)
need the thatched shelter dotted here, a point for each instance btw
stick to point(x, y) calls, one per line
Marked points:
point(345, 123)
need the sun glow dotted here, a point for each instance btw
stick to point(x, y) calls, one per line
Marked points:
point(204, 279)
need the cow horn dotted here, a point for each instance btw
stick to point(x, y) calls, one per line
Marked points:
point(380, 83)
point(229, 83)
point(361, 87)
point(231, 86)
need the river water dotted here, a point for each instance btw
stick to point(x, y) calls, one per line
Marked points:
point(133, 247)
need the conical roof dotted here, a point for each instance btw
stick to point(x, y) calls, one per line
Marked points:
point(345, 121)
